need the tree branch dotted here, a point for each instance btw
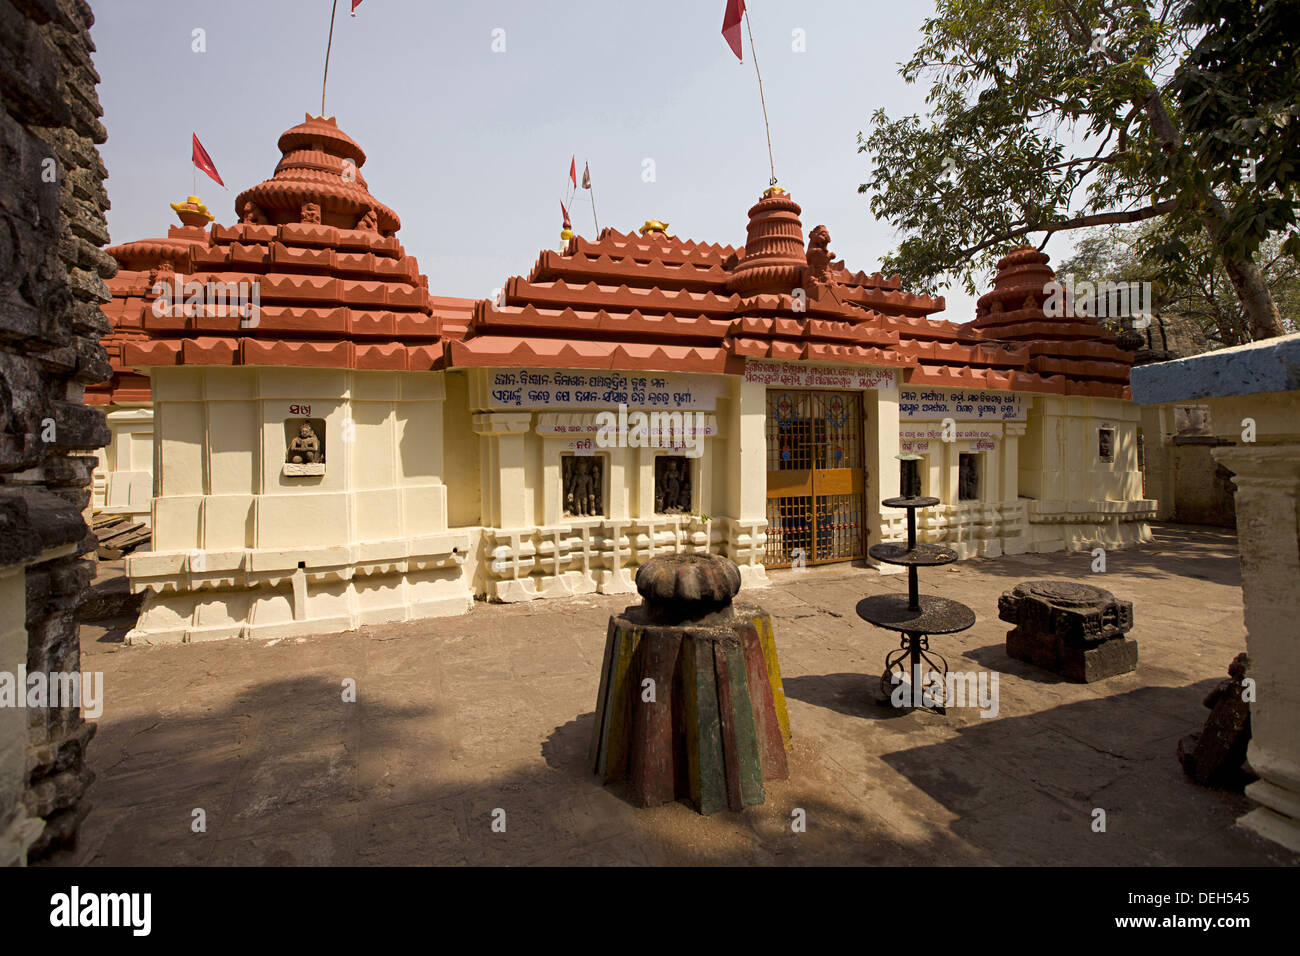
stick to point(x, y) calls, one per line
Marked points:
point(1079, 222)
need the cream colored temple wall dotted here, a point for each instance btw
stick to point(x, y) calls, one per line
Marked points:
point(1157, 424)
point(245, 547)
point(1076, 500)
point(123, 480)
point(531, 548)
point(941, 425)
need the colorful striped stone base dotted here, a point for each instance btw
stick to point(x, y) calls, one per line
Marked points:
point(691, 710)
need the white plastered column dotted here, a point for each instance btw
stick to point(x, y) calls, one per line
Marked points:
point(1268, 533)
point(882, 468)
point(742, 425)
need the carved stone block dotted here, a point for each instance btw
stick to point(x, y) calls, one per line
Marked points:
point(1074, 630)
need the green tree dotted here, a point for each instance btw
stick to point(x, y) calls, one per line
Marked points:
point(1054, 115)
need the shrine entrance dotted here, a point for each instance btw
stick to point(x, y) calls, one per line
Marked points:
point(816, 477)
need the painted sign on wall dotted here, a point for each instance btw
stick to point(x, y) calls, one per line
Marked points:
point(959, 405)
point(795, 375)
point(935, 433)
point(924, 447)
point(577, 388)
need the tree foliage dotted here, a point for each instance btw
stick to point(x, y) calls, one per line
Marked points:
point(1052, 115)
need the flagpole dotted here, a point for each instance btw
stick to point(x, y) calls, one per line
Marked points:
point(330, 43)
point(771, 164)
point(586, 174)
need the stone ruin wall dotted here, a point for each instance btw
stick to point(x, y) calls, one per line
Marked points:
point(52, 272)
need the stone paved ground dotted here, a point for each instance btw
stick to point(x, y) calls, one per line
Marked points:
point(458, 716)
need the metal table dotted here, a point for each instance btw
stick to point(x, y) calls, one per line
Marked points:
point(915, 616)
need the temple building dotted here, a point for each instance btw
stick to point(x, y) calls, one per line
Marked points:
point(338, 447)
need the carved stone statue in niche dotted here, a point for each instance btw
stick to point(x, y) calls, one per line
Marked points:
point(968, 478)
point(582, 488)
point(1106, 444)
point(672, 485)
point(369, 222)
point(305, 449)
point(311, 213)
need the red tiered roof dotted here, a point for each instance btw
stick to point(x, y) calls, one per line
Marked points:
point(337, 290)
point(655, 302)
point(336, 287)
point(1075, 348)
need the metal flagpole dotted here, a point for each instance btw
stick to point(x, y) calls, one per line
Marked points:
point(770, 162)
point(330, 43)
point(586, 175)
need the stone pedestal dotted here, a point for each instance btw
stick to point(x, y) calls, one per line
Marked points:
point(1074, 630)
point(690, 701)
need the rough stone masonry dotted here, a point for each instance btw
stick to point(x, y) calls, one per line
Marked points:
point(52, 272)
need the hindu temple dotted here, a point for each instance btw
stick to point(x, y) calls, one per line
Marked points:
point(342, 447)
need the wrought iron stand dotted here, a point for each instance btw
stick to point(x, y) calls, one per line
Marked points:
point(914, 616)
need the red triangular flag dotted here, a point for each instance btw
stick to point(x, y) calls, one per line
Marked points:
point(573, 171)
point(355, 4)
point(731, 26)
point(567, 224)
point(204, 161)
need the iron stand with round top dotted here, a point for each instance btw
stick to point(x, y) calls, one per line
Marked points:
point(916, 617)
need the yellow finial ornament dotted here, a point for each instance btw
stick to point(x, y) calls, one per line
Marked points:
point(655, 225)
point(192, 205)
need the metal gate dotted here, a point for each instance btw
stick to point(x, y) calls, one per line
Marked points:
point(815, 477)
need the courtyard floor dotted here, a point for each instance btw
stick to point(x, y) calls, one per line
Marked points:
point(457, 717)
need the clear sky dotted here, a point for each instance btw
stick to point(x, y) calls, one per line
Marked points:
point(471, 147)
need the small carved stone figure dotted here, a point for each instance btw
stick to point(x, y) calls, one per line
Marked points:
point(305, 449)
point(672, 487)
point(252, 213)
point(1216, 756)
point(1106, 444)
point(582, 489)
point(968, 478)
point(311, 213)
point(818, 276)
point(370, 221)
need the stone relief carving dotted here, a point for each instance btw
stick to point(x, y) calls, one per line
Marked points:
point(968, 478)
point(583, 496)
point(369, 221)
point(672, 485)
point(305, 448)
point(311, 213)
point(1106, 444)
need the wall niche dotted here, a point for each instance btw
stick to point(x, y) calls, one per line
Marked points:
point(304, 447)
point(672, 485)
point(581, 481)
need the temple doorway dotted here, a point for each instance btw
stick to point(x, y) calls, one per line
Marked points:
point(816, 477)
